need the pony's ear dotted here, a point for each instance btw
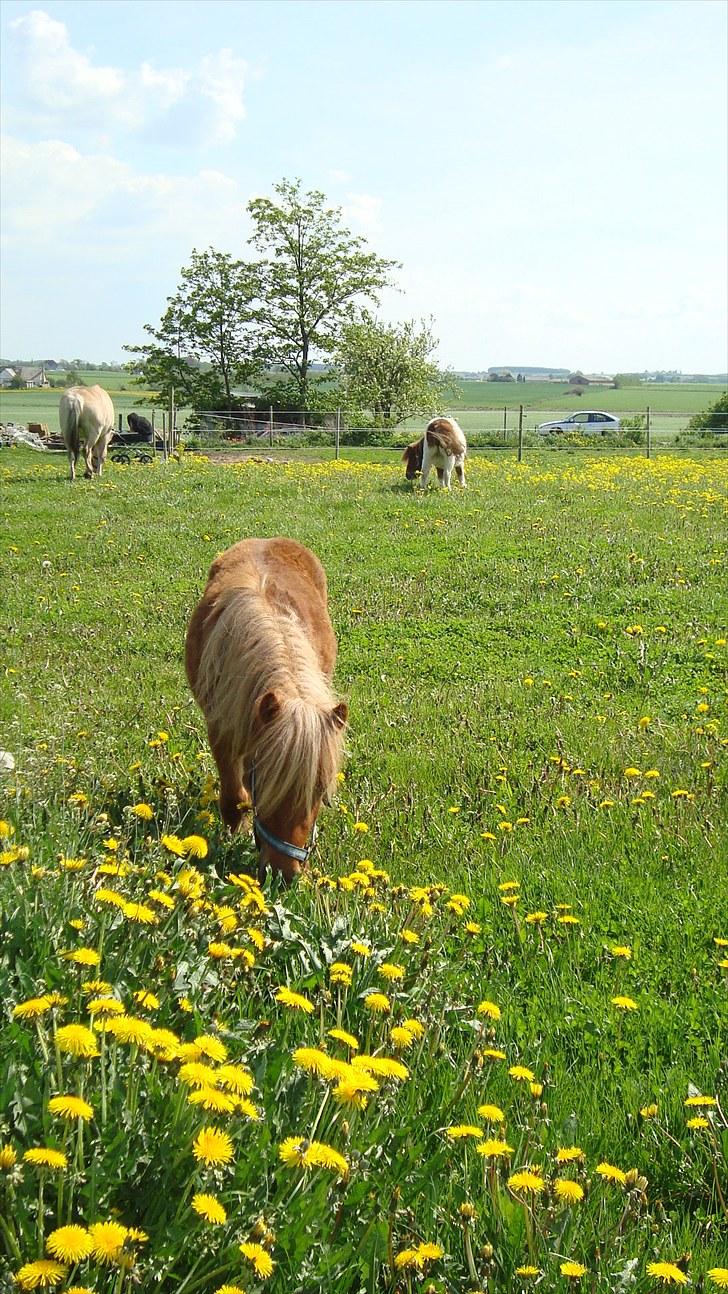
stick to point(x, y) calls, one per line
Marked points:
point(339, 715)
point(268, 707)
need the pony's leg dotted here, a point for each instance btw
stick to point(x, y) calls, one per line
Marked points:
point(72, 463)
point(441, 475)
point(89, 462)
point(447, 473)
point(233, 796)
point(425, 473)
point(460, 473)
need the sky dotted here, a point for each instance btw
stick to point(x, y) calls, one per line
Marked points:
point(551, 174)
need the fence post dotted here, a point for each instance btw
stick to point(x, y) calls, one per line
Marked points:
point(505, 423)
point(171, 419)
point(120, 423)
point(520, 432)
point(649, 439)
point(270, 426)
point(337, 433)
point(154, 437)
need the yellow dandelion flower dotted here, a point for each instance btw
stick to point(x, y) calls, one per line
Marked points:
point(528, 1271)
point(565, 1154)
point(229, 1289)
point(410, 937)
point(700, 1100)
point(105, 1006)
point(611, 1174)
point(8, 1158)
point(668, 1273)
point(361, 827)
point(195, 846)
point(318, 1062)
point(174, 845)
point(108, 1240)
point(70, 1244)
point(526, 1181)
point(459, 1131)
point(390, 971)
point(719, 1277)
point(521, 1074)
point(415, 1027)
point(259, 1259)
point(210, 1099)
point(490, 1010)
point(71, 1107)
point(296, 1001)
point(624, 1003)
point(340, 973)
point(621, 950)
point(83, 957)
point(209, 1208)
point(211, 1048)
point(360, 949)
point(535, 918)
point(572, 1269)
point(235, 1078)
point(493, 1148)
point(45, 1157)
point(32, 1008)
point(340, 1035)
point(212, 1146)
point(146, 998)
point(491, 1113)
point(143, 811)
point(44, 1273)
point(492, 1053)
point(401, 1038)
point(698, 1123)
point(382, 1066)
point(567, 1191)
point(76, 1040)
point(141, 913)
point(648, 1111)
point(378, 1003)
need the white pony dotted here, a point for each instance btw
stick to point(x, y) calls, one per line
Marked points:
point(87, 417)
point(443, 447)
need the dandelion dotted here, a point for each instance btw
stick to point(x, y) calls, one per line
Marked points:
point(229, 1289)
point(648, 1111)
point(145, 998)
point(490, 1010)
point(378, 1003)
point(536, 918)
point(493, 1053)
point(526, 1181)
point(108, 1240)
point(210, 1099)
point(390, 971)
point(521, 1074)
point(624, 1003)
point(32, 1008)
point(491, 1113)
point(410, 937)
point(700, 1100)
point(8, 1158)
point(494, 1149)
point(698, 1123)
point(401, 1038)
point(195, 846)
point(528, 1271)
point(71, 1107)
point(567, 1191)
point(621, 950)
point(236, 1078)
point(296, 1001)
point(45, 1157)
point(668, 1273)
point(139, 912)
point(418, 1257)
point(566, 1154)
point(340, 973)
point(209, 1208)
point(83, 957)
point(611, 1174)
point(340, 1035)
point(382, 1066)
point(572, 1269)
point(42, 1274)
point(104, 1006)
point(298, 1152)
point(174, 845)
point(71, 1244)
point(143, 811)
point(259, 1259)
point(361, 827)
point(461, 1130)
point(719, 1277)
point(212, 1147)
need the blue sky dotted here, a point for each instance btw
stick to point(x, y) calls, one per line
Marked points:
point(552, 175)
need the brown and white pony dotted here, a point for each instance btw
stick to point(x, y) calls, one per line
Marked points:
point(87, 419)
point(260, 654)
point(443, 447)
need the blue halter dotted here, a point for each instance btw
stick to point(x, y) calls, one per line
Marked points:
point(261, 832)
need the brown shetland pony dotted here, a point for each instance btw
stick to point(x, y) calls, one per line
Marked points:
point(260, 654)
point(443, 447)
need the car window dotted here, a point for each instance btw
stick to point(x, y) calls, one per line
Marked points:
point(580, 417)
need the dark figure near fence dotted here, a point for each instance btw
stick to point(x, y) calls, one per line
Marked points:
point(140, 426)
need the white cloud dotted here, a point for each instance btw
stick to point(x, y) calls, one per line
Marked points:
point(363, 211)
point(339, 177)
point(63, 89)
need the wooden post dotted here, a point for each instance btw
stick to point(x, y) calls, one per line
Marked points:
point(505, 422)
point(171, 419)
point(337, 433)
point(270, 426)
point(120, 423)
point(649, 430)
point(165, 454)
point(520, 432)
point(154, 436)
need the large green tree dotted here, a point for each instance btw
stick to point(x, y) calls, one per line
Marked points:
point(206, 341)
point(313, 274)
point(389, 369)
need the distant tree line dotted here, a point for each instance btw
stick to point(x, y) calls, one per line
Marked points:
point(275, 320)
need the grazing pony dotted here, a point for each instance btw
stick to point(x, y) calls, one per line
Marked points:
point(87, 418)
point(260, 654)
point(443, 447)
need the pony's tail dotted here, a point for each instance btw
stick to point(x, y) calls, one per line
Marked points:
point(70, 431)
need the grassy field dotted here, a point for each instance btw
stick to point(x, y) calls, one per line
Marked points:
point(527, 861)
point(667, 397)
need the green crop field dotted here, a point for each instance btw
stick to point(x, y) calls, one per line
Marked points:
point(669, 397)
point(516, 922)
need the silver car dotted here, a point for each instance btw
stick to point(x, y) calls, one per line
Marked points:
point(590, 422)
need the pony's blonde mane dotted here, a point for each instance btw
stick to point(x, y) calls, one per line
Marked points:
point(254, 648)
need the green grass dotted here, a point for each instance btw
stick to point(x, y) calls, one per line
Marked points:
point(666, 397)
point(498, 648)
